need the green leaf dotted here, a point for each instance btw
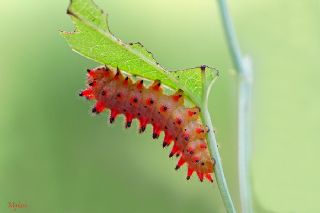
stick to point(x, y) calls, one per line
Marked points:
point(93, 39)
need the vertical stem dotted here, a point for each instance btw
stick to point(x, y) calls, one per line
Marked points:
point(244, 144)
point(243, 66)
point(233, 44)
point(218, 169)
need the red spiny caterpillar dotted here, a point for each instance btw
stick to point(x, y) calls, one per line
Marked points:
point(113, 90)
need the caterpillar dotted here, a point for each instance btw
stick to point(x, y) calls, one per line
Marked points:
point(113, 90)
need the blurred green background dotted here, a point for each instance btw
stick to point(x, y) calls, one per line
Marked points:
point(56, 157)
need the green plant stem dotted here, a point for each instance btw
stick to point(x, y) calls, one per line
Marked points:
point(243, 67)
point(233, 43)
point(218, 169)
point(244, 143)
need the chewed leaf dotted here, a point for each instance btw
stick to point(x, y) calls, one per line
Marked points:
point(142, 50)
point(93, 39)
